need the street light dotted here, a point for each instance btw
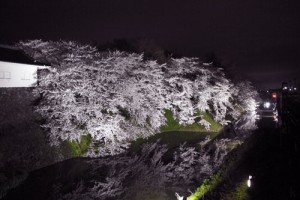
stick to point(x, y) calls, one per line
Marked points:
point(249, 181)
point(267, 105)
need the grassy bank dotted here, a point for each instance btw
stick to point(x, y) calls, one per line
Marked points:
point(173, 125)
point(78, 148)
point(206, 186)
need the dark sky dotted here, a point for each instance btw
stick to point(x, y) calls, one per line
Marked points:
point(259, 39)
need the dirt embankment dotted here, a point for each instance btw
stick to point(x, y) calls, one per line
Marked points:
point(23, 145)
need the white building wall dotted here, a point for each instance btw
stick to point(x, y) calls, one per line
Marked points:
point(17, 75)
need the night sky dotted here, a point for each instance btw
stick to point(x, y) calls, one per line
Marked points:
point(258, 39)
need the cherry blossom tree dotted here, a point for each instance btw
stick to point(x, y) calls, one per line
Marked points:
point(117, 97)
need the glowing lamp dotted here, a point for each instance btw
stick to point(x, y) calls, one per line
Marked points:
point(267, 105)
point(249, 181)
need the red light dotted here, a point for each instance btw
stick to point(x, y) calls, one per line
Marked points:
point(274, 95)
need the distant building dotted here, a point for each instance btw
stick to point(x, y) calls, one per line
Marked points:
point(17, 69)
